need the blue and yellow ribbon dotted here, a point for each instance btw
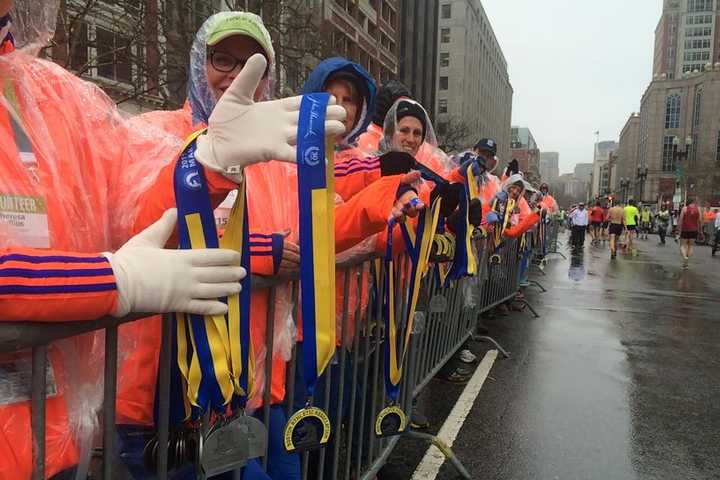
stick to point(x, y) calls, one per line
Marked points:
point(465, 261)
point(418, 244)
point(316, 190)
point(214, 352)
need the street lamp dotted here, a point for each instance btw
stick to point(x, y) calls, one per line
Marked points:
point(624, 185)
point(678, 157)
point(642, 173)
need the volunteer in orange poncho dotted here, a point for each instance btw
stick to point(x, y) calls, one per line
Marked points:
point(74, 176)
point(513, 188)
point(225, 42)
point(548, 201)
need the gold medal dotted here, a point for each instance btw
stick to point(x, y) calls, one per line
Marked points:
point(308, 429)
point(390, 421)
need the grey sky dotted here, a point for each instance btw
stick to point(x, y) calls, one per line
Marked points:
point(576, 66)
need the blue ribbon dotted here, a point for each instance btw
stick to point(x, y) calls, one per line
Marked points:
point(312, 175)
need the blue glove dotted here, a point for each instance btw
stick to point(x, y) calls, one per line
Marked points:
point(502, 196)
point(492, 217)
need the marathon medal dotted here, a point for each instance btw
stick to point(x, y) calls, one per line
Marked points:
point(309, 428)
point(214, 359)
point(392, 420)
point(231, 443)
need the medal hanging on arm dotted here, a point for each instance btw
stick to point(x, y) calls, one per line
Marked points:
point(309, 428)
point(214, 352)
point(392, 420)
point(509, 205)
point(465, 261)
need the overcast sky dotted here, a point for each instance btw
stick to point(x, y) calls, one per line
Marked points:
point(577, 66)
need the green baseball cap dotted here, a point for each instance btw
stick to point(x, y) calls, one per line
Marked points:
point(241, 23)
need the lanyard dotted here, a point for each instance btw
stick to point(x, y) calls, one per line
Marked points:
point(418, 245)
point(214, 352)
point(317, 238)
point(465, 261)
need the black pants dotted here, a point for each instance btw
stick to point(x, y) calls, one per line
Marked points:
point(661, 231)
point(578, 235)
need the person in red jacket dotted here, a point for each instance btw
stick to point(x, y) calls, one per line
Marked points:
point(73, 178)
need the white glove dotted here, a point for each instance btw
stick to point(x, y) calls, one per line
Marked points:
point(151, 279)
point(242, 132)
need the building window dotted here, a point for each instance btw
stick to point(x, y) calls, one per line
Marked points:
point(444, 59)
point(700, 6)
point(442, 105)
point(717, 149)
point(696, 56)
point(668, 157)
point(694, 148)
point(446, 10)
point(113, 56)
point(696, 108)
point(443, 83)
point(672, 111)
point(444, 35)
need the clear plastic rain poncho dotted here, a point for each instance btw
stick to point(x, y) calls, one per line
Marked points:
point(65, 149)
point(428, 153)
point(268, 207)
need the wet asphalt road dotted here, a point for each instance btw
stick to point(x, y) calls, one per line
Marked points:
point(618, 379)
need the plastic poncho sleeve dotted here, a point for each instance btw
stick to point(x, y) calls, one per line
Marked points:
point(526, 223)
point(365, 213)
point(161, 196)
point(352, 174)
point(46, 285)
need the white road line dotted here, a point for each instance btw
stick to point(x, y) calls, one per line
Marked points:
point(432, 461)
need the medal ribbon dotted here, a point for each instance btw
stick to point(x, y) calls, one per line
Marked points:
point(418, 245)
point(316, 191)
point(214, 353)
point(509, 207)
point(465, 262)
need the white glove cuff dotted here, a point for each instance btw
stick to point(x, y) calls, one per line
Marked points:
point(204, 155)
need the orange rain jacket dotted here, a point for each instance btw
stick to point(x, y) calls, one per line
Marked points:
point(72, 173)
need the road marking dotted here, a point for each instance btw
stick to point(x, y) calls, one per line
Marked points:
point(432, 461)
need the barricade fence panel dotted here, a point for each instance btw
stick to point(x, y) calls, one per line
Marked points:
point(352, 389)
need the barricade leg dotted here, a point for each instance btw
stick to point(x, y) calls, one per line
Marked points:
point(487, 338)
point(445, 450)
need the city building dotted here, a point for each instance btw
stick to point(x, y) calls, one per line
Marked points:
point(570, 190)
point(418, 30)
point(524, 149)
point(679, 140)
point(549, 166)
point(583, 172)
point(601, 168)
point(474, 95)
point(686, 37)
point(626, 159)
point(138, 51)
point(678, 145)
point(366, 31)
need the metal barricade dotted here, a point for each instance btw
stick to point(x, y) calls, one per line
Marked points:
point(354, 391)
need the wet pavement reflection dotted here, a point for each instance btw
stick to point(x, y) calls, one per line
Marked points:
point(619, 378)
